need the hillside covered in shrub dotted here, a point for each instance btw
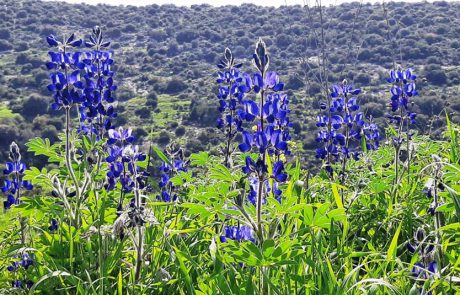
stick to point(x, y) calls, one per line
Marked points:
point(166, 58)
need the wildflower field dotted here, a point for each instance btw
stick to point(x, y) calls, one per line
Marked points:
point(378, 212)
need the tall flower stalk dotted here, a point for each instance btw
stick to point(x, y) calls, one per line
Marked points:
point(97, 111)
point(68, 91)
point(269, 138)
point(231, 92)
point(13, 186)
point(402, 90)
point(271, 135)
point(123, 170)
point(343, 131)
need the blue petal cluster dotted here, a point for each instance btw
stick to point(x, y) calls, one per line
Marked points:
point(122, 160)
point(85, 79)
point(402, 90)
point(275, 191)
point(65, 77)
point(168, 191)
point(271, 115)
point(97, 110)
point(343, 127)
point(54, 225)
point(14, 169)
point(231, 92)
point(24, 262)
point(238, 233)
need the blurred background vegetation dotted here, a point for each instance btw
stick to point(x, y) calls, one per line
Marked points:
point(166, 56)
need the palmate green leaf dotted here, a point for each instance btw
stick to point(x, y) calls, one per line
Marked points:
point(195, 208)
point(220, 172)
point(40, 146)
point(41, 178)
point(324, 221)
point(200, 159)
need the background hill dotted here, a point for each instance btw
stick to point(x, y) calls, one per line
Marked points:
point(166, 56)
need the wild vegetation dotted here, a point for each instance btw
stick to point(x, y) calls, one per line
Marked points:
point(101, 208)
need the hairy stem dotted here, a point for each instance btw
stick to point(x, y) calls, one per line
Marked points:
point(69, 167)
point(140, 228)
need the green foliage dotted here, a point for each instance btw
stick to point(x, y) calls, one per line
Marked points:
point(323, 238)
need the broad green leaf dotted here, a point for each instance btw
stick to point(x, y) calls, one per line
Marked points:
point(200, 159)
point(391, 254)
point(268, 247)
point(161, 155)
point(337, 197)
point(120, 283)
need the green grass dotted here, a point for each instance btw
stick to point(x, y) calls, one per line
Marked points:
point(171, 108)
point(6, 113)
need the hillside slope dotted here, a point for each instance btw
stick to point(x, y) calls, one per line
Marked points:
point(166, 59)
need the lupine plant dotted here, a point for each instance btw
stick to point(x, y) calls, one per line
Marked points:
point(344, 133)
point(169, 168)
point(232, 87)
point(271, 131)
point(14, 186)
point(402, 91)
point(248, 219)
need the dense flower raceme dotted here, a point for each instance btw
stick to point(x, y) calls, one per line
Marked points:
point(402, 90)
point(97, 110)
point(343, 127)
point(66, 67)
point(271, 132)
point(84, 78)
point(13, 183)
point(122, 160)
point(168, 170)
point(231, 91)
